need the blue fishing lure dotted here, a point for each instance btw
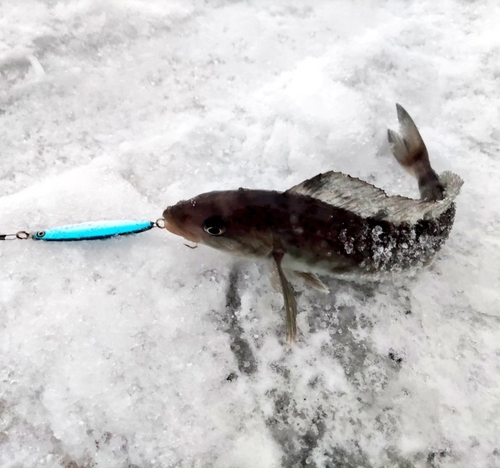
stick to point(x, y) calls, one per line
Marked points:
point(86, 231)
point(93, 230)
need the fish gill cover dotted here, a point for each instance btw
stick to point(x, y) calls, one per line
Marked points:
point(140, 353)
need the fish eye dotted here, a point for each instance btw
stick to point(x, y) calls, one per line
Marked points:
point(215, 226)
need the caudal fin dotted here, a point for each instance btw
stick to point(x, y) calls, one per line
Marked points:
point(409, 150)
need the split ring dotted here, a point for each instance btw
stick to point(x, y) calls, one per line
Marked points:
point(160, 223)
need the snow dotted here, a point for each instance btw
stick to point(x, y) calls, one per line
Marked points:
point(137, 352)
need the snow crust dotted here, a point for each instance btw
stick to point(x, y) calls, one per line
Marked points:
point(137, 352)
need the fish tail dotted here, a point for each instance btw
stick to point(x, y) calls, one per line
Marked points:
point(409, 149)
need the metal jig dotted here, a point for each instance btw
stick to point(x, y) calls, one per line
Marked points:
point(88, 231)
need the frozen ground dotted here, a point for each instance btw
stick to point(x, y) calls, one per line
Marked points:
point(137, 352)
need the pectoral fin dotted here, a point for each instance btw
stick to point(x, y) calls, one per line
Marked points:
point(312, 280)
point(274, 279)
point(290, 301)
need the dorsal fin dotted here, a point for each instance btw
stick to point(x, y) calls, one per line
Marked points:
point(368, 201)
point(343, 191)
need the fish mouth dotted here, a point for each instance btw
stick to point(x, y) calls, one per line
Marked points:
point(173, 226)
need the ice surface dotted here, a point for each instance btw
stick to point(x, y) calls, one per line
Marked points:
point(137, 352)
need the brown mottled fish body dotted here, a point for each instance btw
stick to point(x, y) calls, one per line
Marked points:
point(332, 223)
point(320, 236)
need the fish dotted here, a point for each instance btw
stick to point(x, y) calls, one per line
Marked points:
point(331, 224)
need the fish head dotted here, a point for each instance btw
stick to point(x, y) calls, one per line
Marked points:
point(221, 220)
